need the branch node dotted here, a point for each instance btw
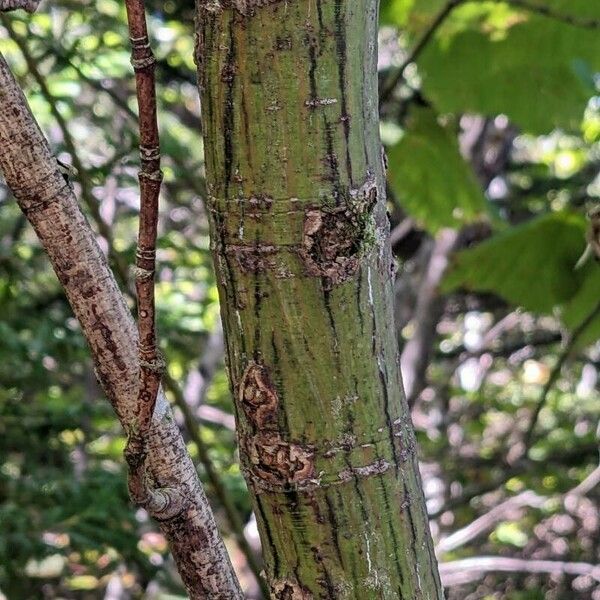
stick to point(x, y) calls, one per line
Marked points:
point(143, 63)
point(141, 274)
point(156, 365)
point(152, 175)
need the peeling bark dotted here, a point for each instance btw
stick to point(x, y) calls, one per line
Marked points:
point(180, 505)
point(301, 246)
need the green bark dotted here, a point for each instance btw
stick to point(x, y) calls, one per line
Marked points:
point(304, 267)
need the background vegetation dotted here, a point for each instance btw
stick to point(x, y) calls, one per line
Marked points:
point(490, 114)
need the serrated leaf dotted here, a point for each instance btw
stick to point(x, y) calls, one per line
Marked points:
point(429, 176)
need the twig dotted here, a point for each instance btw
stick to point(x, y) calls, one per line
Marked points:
point(480, 525)
point(546, 11)
point(150, 177)
point(462, 571)
point(415, 355)
point(527, 498)
point(554, 375)
point(395, 78)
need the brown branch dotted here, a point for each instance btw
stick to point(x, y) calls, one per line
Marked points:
point(150, 177)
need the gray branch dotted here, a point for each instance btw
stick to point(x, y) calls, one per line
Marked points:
point(29, 5)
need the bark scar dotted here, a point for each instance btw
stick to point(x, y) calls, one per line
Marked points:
point(288, 589)
point(271, 459)
point(279, 462)
point(335, 238)
point(258, 397)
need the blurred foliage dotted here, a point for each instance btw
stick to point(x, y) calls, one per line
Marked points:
point(449, 196)
point(493, 130)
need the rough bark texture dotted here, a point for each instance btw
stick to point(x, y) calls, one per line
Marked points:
point(300, 238)
point(47, 200)
point(28, 5)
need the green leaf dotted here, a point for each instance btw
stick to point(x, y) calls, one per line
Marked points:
point(432, 181)
point(531, 265)
point(536, 70)
point(395, 12)
point(581, 305)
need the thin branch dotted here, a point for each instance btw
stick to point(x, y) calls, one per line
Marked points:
point(150, 177)
point(398, 75)
point(415, 355)
point(527, 498)
point(488, 520)
point(546, 11)
point(555, 374)
point(462, 571)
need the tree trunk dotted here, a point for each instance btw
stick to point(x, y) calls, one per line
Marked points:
point(304, 267)
point(50, 205)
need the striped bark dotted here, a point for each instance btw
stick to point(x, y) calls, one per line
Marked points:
point(304, 267)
